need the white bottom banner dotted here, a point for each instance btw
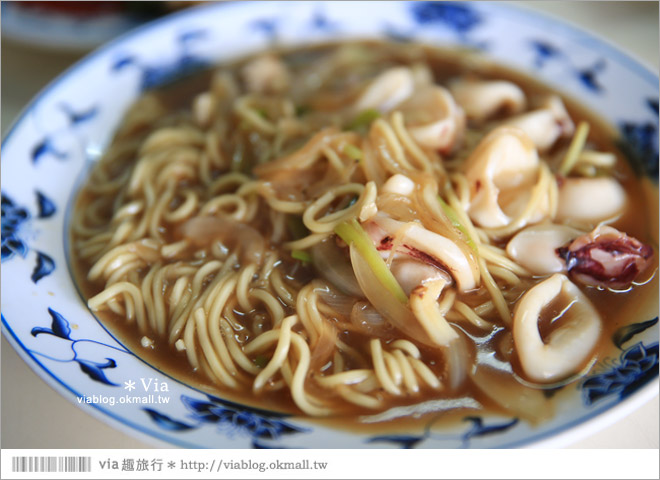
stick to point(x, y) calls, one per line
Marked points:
point(293, 464)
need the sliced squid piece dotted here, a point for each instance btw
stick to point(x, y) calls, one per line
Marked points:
point(423, 319)
point(590, 200)
point(411, 273)
point(399, 184)
point(266, 74)
point(606, 257)
point(390, 307)
point(567, 348)
point(433, 118)
point(546, 124)
point(481, 99)
point(413, 240)
point(501, 172)
point(536, 247)
point(387, 90)
point(425, 305)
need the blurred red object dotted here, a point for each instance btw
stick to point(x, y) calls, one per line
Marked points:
point(75, 8)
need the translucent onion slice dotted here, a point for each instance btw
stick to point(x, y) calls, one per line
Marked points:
point(387, 304)
point(332, 264)
point(354, 235)
point(340, 303)
point(365, 317)
point(525, 402)
point(458, 363)
point(202, 231)
point(324, 347)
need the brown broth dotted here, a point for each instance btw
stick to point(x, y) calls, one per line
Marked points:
point(616, 309)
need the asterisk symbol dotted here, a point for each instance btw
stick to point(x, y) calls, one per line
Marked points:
point(171, 464)
point(130, 385)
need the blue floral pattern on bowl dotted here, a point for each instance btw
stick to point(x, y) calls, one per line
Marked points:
point(48, 145)
point(15, 220)
point(640, 141)
point(636, 366)
point(462, 18)
point(156, 75)
point(67, 346)
point(60, 328)
point(476, 428)
point(547, 53)
point(263, 428)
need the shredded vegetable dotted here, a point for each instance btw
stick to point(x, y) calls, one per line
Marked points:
point(456, 223)
point(302, 255)
point(352, 232)
point(353, 152)
point(364, 119)
point(574, 149)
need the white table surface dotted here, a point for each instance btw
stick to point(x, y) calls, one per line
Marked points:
point(35, 416)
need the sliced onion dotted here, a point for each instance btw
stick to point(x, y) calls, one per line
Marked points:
point(458, 362)
point(202, 231)
point(332, 264)
point(324, 346)
point(514, 397)
point(340, 303)
point(365, 317)
point(389, 306)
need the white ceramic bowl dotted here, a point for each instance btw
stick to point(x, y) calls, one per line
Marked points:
point(68, 125)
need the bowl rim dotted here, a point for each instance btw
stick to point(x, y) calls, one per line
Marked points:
point(624, 56)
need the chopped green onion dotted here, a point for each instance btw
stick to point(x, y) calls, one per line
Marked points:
point(456, 223)
point(301, 255)
point(261, 361)
point(262, 113)
point(364, 119)
point(574, 149)
point(352, 232)
point(353, 152)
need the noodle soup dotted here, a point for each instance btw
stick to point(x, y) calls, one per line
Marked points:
point(354, 229)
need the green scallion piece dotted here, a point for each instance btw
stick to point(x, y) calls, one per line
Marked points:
point(364, 119)
point(301, 255)
point(352, 232)
point(353, 152)
point(456, 223)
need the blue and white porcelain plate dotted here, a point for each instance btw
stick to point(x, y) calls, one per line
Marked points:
point(48, 150)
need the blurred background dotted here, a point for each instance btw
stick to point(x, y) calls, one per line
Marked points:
point(42, 39)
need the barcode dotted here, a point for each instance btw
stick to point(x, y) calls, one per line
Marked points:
point(51, 464)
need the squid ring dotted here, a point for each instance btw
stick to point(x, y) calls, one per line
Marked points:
point(567, 348)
